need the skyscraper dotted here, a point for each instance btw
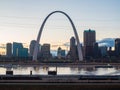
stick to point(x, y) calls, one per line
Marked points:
point(16, 48)
point(96, 50)
point(73, 49)
point(89, 41)
point(8, 49)
point(19, 51)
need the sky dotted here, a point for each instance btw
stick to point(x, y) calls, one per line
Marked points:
point(20, 20)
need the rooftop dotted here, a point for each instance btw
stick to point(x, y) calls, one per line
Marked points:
point(89, 30)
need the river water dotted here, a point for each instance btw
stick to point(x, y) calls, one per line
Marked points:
point(61, 70)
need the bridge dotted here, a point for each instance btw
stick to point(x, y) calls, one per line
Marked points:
point(60, 79)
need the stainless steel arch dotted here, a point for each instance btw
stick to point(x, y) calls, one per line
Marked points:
point(74, 29)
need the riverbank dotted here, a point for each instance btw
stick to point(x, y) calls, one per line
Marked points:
point(59, 86)
point(80, 64)
point(51, 82)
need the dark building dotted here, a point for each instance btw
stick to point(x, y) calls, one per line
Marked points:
point(8, 49)
point(103, 51)
point(19, 51)
point(89, 41)
point(96, 51)
point(45, 51)
point(117, 47)
point(73, 49)
point(16, 48)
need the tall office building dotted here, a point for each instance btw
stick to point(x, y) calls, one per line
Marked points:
point(19, 51)
point(73, 49)
point(31, 47)
point(89, 41)
point(8, 49)
point(45, 51)
point(96, 51)
point(117, 46)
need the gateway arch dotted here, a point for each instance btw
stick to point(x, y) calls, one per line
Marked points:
point(41, 29)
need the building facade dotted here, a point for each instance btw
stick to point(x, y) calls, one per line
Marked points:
point(73, 49)
point(19, 51)
point(96, 51)
point(9, 49)
point(103, 51)
point(45, 51)
point(89, 41)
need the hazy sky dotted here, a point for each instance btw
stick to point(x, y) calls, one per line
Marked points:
point(20, 20)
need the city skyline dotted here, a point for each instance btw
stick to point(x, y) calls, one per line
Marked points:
point(91, 49)
point(20, 20)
